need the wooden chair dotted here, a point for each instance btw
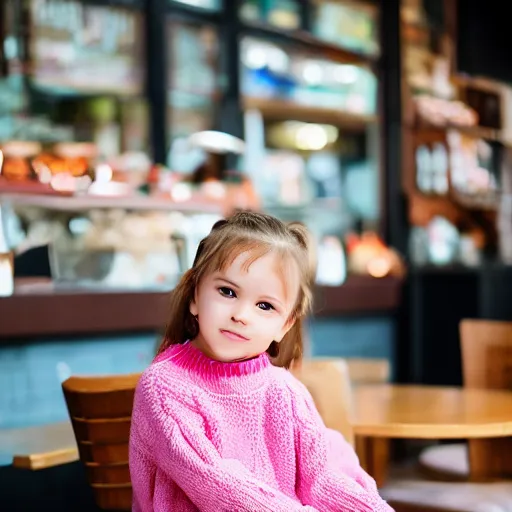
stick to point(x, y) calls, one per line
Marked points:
point(329, 384)
point(368, 371)
point(100, 409)
point(373, 452)
point(486, 349)
point(363, 370)
point(487, 363)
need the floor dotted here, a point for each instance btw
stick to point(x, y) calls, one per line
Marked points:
point(59, 489)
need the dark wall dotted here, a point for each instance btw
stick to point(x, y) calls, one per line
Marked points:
point(483, 43)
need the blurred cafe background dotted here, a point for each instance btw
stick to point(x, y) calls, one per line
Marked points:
point(128, 127)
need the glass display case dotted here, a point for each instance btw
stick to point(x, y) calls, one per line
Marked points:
point(129, 247)
point(193, 87)
point(297, 81)
point(285, 72)
point(284, 14)
point(73, 71)
point(76, 47)
point(348, 24)
point(211, 5)
point(312, 136)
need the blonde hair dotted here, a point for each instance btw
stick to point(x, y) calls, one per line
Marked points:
point(257, 234)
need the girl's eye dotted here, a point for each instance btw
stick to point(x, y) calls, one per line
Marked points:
point(227, 292)
point(265, 306)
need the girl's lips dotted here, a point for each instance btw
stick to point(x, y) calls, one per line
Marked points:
point(233, 335)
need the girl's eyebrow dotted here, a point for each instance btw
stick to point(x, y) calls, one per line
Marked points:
point(231, 283)
point(273, 300)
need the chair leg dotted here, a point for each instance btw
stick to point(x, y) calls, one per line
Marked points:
point(373, 453)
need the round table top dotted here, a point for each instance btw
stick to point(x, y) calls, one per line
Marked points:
point(431, 412)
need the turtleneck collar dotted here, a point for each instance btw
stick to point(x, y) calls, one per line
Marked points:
point(219, 377)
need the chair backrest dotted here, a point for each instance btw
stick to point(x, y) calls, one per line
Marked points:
point(368, 371)
point(328, 382)
point(486, 348)
point(100, 409)
point(364, 370)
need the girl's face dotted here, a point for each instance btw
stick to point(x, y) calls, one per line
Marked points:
point(242, 309)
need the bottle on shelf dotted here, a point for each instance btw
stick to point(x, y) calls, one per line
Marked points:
point(6, 261)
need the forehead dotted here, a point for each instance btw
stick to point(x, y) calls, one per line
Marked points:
point(271, 273)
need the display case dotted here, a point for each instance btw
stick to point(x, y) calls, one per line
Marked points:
point(285, 14)
point(456, 166)
point(76, 72)
point(209, 5)
point(312, 131)
point(193, 87)
point(298, 82)
point(137, 246)
point(351, 25)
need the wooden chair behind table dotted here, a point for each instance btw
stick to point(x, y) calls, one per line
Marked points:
point(373, 452)
point(329, 384)
point(486, 349)
point(100, 409)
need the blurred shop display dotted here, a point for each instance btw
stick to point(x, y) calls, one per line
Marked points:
point(120, 157)
point(77, 47)
point(369, 255)
point(456, 142)
point(192, 87)
point(284, 14)
point(212, 5)
point(352, 25)
point(74, 72)
point(274, 72)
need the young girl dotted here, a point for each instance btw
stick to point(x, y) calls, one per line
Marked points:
point(219, 424)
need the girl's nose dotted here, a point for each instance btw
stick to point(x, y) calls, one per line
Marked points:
point(241, 314)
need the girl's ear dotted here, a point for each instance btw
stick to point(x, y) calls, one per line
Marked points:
point(193, 307)
point(284, 331)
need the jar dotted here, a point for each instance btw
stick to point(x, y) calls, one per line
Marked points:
point(17, 160)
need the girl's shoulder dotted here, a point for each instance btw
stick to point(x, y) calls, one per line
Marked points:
point(166, 381)
point(287, 380)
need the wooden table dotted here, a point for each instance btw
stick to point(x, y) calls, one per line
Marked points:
point(39, 447)
point(382, 412)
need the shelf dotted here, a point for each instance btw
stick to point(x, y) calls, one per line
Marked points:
point(485, 202)
point(26, 187)
point(477, 132)
point(278, 109)
point(81, 311)
point(322, 204)
point(84, 203)
point(359, 295)
point(78, 311)
point(306, 40)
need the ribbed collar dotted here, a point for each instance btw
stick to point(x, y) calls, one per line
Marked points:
point(219, 377)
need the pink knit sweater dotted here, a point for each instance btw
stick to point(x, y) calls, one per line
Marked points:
point(237, 437)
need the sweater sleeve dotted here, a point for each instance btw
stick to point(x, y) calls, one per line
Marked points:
point(330, 477)
point(180, 448)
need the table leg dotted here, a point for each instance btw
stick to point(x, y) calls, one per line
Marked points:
point(373, 453)
point(490, 459)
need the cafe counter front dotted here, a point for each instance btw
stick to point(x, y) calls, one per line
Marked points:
point(48, 333)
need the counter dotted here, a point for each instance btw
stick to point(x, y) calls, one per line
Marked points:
point(37, 308)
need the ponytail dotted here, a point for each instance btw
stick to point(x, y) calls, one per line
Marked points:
point(304, 238)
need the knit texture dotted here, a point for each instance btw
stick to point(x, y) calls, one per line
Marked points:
point(237, 437)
